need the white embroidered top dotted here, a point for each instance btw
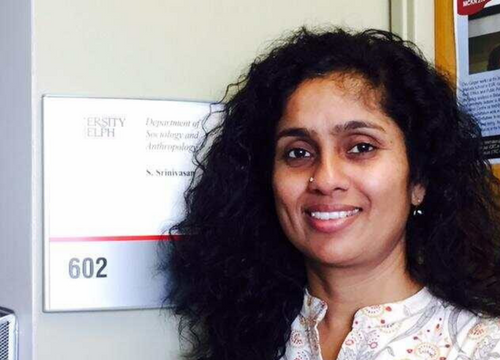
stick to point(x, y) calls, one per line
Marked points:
point(420, 327)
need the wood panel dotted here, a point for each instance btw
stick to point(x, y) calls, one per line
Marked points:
point(445, 38)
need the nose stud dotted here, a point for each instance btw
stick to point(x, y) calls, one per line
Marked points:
point(311, 179)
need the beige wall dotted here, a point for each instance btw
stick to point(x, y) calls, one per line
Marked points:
point(414, 20)
point(175, 49)
point(15, 166)
point(172, 48)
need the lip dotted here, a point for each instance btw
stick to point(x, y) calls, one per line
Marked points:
point(330, 207)
point(331, 225)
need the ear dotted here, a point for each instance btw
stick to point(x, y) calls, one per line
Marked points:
point(417, 194)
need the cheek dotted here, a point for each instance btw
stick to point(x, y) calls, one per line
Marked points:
point(389, 189)
point(283, 195)
point(287, 190)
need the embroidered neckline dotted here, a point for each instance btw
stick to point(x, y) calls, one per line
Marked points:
point(369, 317)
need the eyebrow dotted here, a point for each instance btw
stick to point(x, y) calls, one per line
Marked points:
point(348, 126)
point(294, 132)
point(357, 124)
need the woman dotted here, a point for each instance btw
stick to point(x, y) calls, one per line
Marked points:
point(342, 210)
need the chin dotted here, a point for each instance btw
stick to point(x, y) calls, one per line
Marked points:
point(334, 258)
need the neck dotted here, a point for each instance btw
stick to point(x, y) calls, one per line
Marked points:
point(348, 289)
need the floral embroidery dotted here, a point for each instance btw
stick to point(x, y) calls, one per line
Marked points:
point(427, 351)
point(301, 355)
point(479, 331)
point(390, 328)
point(298, 338)
point(420, 327)
point(373, 311)
point(354, 337)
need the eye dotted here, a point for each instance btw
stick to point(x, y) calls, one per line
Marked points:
point(298, 153)
point(361, 148)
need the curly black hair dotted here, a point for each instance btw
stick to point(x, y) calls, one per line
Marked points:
point(237, 283)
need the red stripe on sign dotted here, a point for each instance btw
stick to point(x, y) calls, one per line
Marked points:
point(471, 7)
point(115, 238)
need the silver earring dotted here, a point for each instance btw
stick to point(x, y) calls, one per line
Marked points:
point(311, 179)
point(417, 211)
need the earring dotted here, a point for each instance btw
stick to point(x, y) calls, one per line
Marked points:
point(311, 179)
point(420, 258)
point(416, 210)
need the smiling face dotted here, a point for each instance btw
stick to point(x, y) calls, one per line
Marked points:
point(355, 209)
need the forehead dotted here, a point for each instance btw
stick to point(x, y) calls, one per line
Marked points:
point(333, 100)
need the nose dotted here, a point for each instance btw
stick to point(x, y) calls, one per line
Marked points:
point(330, 175)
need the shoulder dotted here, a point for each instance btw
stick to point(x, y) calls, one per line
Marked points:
point(470, 336)
point(482, 340)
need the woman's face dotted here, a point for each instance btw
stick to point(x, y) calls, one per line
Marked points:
point(355, 209)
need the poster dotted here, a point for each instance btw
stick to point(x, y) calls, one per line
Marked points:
point(477, 37)
point(114, 175)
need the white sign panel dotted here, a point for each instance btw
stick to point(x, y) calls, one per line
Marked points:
point(114, 174)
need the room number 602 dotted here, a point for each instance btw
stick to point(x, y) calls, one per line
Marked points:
point(86, 268)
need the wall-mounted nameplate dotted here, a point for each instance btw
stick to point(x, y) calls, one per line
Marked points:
point(114, 174)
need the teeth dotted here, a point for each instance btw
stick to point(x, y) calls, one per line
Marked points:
point(333, 214)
